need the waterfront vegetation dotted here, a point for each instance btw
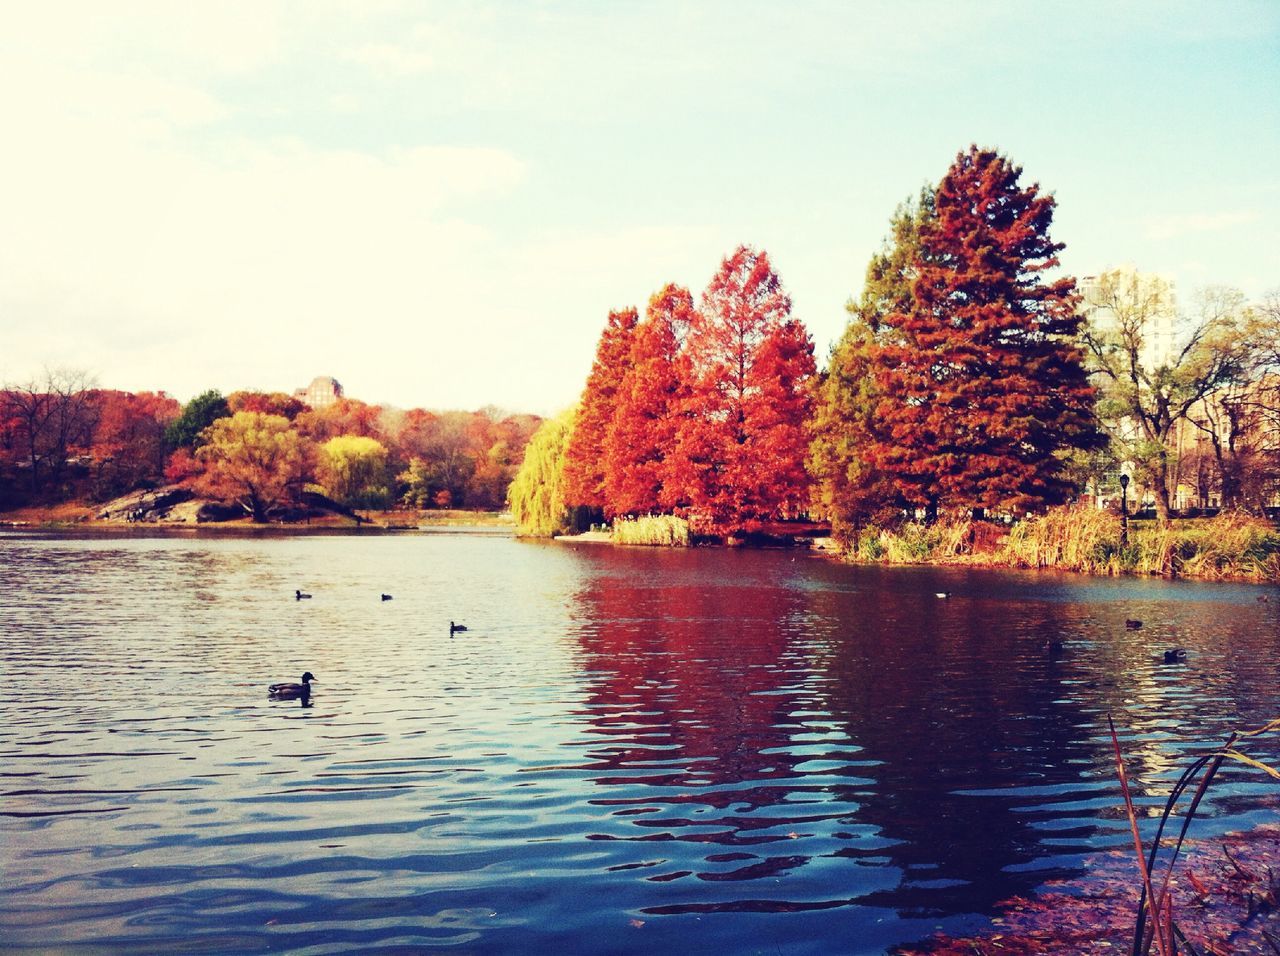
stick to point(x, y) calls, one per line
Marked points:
point(980, 407)
point(655, 530)
point(1234, 546)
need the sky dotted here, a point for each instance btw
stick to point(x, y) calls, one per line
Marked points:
point(439, 203)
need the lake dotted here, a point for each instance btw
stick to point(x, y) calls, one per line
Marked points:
point(628, 751)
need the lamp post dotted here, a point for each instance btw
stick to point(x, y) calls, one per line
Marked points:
point(1124, 510)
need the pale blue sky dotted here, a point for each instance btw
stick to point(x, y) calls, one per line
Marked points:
point(439, 203)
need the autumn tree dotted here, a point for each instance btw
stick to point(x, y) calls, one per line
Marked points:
point(537, 496)
point(1148, 389)
point(49, 419)
point(352, 470)
point(254, 459)
point(186, 430)
point(128, 445)
point(650, 397)
point(272, 403)
point(584, 464)
point(848, 489)
point(345, 416)
point(738, 456)
point(983, 385)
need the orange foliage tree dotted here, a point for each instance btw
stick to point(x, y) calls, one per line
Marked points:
point(584, 460)
point(128, 446)
point(272, 403)
point(741, 442)
point(346, 416)
point(982, 381)
point(649, 399)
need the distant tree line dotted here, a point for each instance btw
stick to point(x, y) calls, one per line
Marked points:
point(61, 438)
point(970, 379)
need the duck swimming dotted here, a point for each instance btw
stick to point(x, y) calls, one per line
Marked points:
point(1131, 624)
point(455, 628)
point(386, 597)
point(290, 691)
point(1175, 656)
point(300, 595)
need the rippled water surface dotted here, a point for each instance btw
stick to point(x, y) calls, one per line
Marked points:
point(629, 750)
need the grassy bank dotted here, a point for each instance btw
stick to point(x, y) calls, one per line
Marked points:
point(1084, 539)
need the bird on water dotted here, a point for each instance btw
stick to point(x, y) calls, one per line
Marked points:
point(1131, 624)
point(1175, 656)
point(386, 597)
point(942, 594)
point(291, 691)
point(455, 628)
point(300, 595)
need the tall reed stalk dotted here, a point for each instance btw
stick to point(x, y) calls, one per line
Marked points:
point(1155, 925)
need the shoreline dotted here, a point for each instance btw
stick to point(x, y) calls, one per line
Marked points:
point(80, 520)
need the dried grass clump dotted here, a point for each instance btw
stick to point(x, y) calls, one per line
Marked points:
point(1228, 546)
point(1071, 539)
point(915, 543)
point(654, 530)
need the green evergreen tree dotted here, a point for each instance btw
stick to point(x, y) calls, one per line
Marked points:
point(847, 489)
point(197, 415)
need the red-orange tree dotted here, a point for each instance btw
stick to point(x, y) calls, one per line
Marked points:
point(983, 382)
point(642, 433)
point(584, 460)
point(128, 446)
point(739, 453)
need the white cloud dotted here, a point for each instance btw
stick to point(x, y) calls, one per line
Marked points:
point(143, 240)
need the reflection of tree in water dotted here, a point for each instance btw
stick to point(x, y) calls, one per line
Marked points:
point(695, 703)
point(877, 747)
point(961, 706)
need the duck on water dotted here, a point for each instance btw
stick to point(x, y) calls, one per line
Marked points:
point(291, 691)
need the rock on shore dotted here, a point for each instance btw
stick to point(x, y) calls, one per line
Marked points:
point(172, 503)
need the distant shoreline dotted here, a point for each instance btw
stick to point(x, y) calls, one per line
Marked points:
point(80, 518)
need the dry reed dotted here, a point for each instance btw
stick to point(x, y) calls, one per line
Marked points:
point(653, 530)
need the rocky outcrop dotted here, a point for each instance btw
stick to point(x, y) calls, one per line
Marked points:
point(152, 505)
point(171, 504)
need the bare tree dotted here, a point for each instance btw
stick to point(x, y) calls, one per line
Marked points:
point(50, 417)
point(1147, 387)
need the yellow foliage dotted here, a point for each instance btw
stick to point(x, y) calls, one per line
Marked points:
point(254, 459)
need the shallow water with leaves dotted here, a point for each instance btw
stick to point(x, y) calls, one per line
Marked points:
point(628, 751)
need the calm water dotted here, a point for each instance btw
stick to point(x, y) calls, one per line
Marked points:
point(630, 751)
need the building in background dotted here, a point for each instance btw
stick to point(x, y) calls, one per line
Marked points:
point(322, 391)
point(1150, 298)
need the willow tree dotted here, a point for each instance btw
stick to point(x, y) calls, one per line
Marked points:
point(984, 385)
point(537, 495)
point(353, 470)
